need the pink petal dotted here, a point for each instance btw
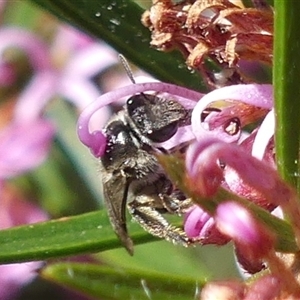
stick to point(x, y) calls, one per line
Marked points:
point(36, 49)
point(248, 234)
point(24, 146)
point(15, 211)
point(254, 94)
point(36, 95)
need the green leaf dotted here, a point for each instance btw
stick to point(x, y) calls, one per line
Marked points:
point(287, 88)
point(107, 283)
point(85, 233)
point(163, 256)
point(118, 23)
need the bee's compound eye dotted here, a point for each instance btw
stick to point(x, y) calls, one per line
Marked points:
point(163, 134)
point(134, 102)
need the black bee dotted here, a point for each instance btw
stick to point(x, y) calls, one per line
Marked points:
point(132, 174)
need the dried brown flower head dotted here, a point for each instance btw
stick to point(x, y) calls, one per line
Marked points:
point(221, 30)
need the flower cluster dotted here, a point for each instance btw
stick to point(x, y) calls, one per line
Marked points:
point(222, 155)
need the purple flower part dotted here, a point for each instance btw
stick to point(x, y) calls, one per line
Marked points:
point(68, 40)
point(248, 234)
point(76, 83)
point(15, 211)
point(203, 168)
point(14, 276)
point(3, 4)
point(218, 122)
point(267, 287)
point(79, 91)
point(36, 95)
point(200, 225)
point(223, 290)
point(204, 173)
point(24, 146)
point(91, 60)
point(84, 59)
point(93, 141)
point(194, 221)
point(99, 146)
point(253, 94)
point(183, 134)
point(263, 136)
point(236, 185)
point(73, 81)
point(35, 49)
point(266, 152)
point(7, 74)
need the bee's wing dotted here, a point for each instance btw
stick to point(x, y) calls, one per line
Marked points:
point(115, 190)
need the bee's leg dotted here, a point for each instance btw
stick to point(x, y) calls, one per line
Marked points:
point(145, 212)
point(176, 203)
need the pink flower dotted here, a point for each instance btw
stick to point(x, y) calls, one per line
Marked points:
point(252, 238)
point(15, 211)
point(24, 146)
point(266, 287)
point(234, 104)
point(200, 225)
point(83, 59)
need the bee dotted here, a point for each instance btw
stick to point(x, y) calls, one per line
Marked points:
point(132, 175)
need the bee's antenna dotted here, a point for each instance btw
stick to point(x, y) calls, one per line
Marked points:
point(127, 68)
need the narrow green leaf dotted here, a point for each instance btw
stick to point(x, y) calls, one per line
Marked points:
point(163, 256)
point(118, 23)
point(107, 283)
point(85, 233)
point(287, 88)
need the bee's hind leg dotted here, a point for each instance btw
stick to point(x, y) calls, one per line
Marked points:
point(147, 214)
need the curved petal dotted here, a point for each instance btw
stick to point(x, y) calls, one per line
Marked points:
point(36, 49)
point(90, 61)
point(253, 94)
point(34, 98)
point(264, 134)
point(206, 173)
